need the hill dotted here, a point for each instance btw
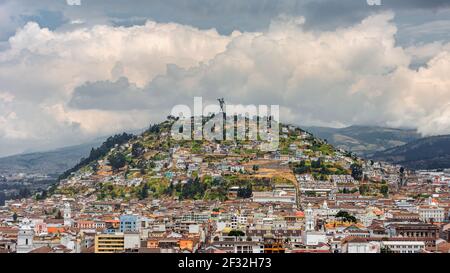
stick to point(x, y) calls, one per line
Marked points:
point(365, 140)
point(425, 153)
point(154, 164)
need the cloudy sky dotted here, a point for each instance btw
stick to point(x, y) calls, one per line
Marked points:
point(71, 73)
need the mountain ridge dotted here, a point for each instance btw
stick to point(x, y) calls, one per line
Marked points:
point(425, 153)
point(364, 140)
point(52, 162)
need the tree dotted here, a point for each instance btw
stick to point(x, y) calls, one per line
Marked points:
point(363, 189)
point(236, 232)
point(137, 149)
point(245, 192)
point(384, 190)
point(301, 170)
point(342, 214)
point(316, 163)
point(193, 189)
point(95, 166)
point(357, 171)
point(143, 193)
point(386, 249)
point(2, 198)
point(58, 215)
point(255, 168)
point(345, 216)
point(42, 195)
point(117, 160)
point(154, 129)
point(402, 176)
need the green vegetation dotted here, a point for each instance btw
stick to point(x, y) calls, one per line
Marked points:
point(345, 216)
point(324, 148)
point(301, 167)
point(384, 190)
point(236, 232)
point(364, 189)
point(143, 192)
point(137, 150)
point(245, 192)
point(357, 171)
point(117, 160)
point(193, 189)
point(196, 146)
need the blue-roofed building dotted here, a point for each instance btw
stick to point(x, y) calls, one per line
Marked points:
point(128, 223)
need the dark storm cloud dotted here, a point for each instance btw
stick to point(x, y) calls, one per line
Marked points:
point(107, 95)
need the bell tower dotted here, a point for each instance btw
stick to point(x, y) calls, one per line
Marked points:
point(25, 237)
point(309, 219)
point(67, 215)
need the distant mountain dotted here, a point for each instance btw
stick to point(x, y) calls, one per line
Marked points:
point(52, 162)
point(365, 140)
point(425, 153)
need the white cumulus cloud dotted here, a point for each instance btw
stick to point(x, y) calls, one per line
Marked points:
point(67, 86)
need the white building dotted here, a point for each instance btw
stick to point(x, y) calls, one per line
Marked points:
point(311, 237)
point(67, 215)
point(314, 238)
point(248, 247)
point(274, 197)
point(309, 219)
point(132, 240)
point(25, 238)
point(360, 245)
point(431, 213)
point(404, 246)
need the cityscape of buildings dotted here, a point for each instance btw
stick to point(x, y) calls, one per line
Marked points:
point(276, 206)
point(316, 127)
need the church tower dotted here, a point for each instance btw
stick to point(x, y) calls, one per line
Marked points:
point(67, 215)
point(25, 237)
point(309, 219)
